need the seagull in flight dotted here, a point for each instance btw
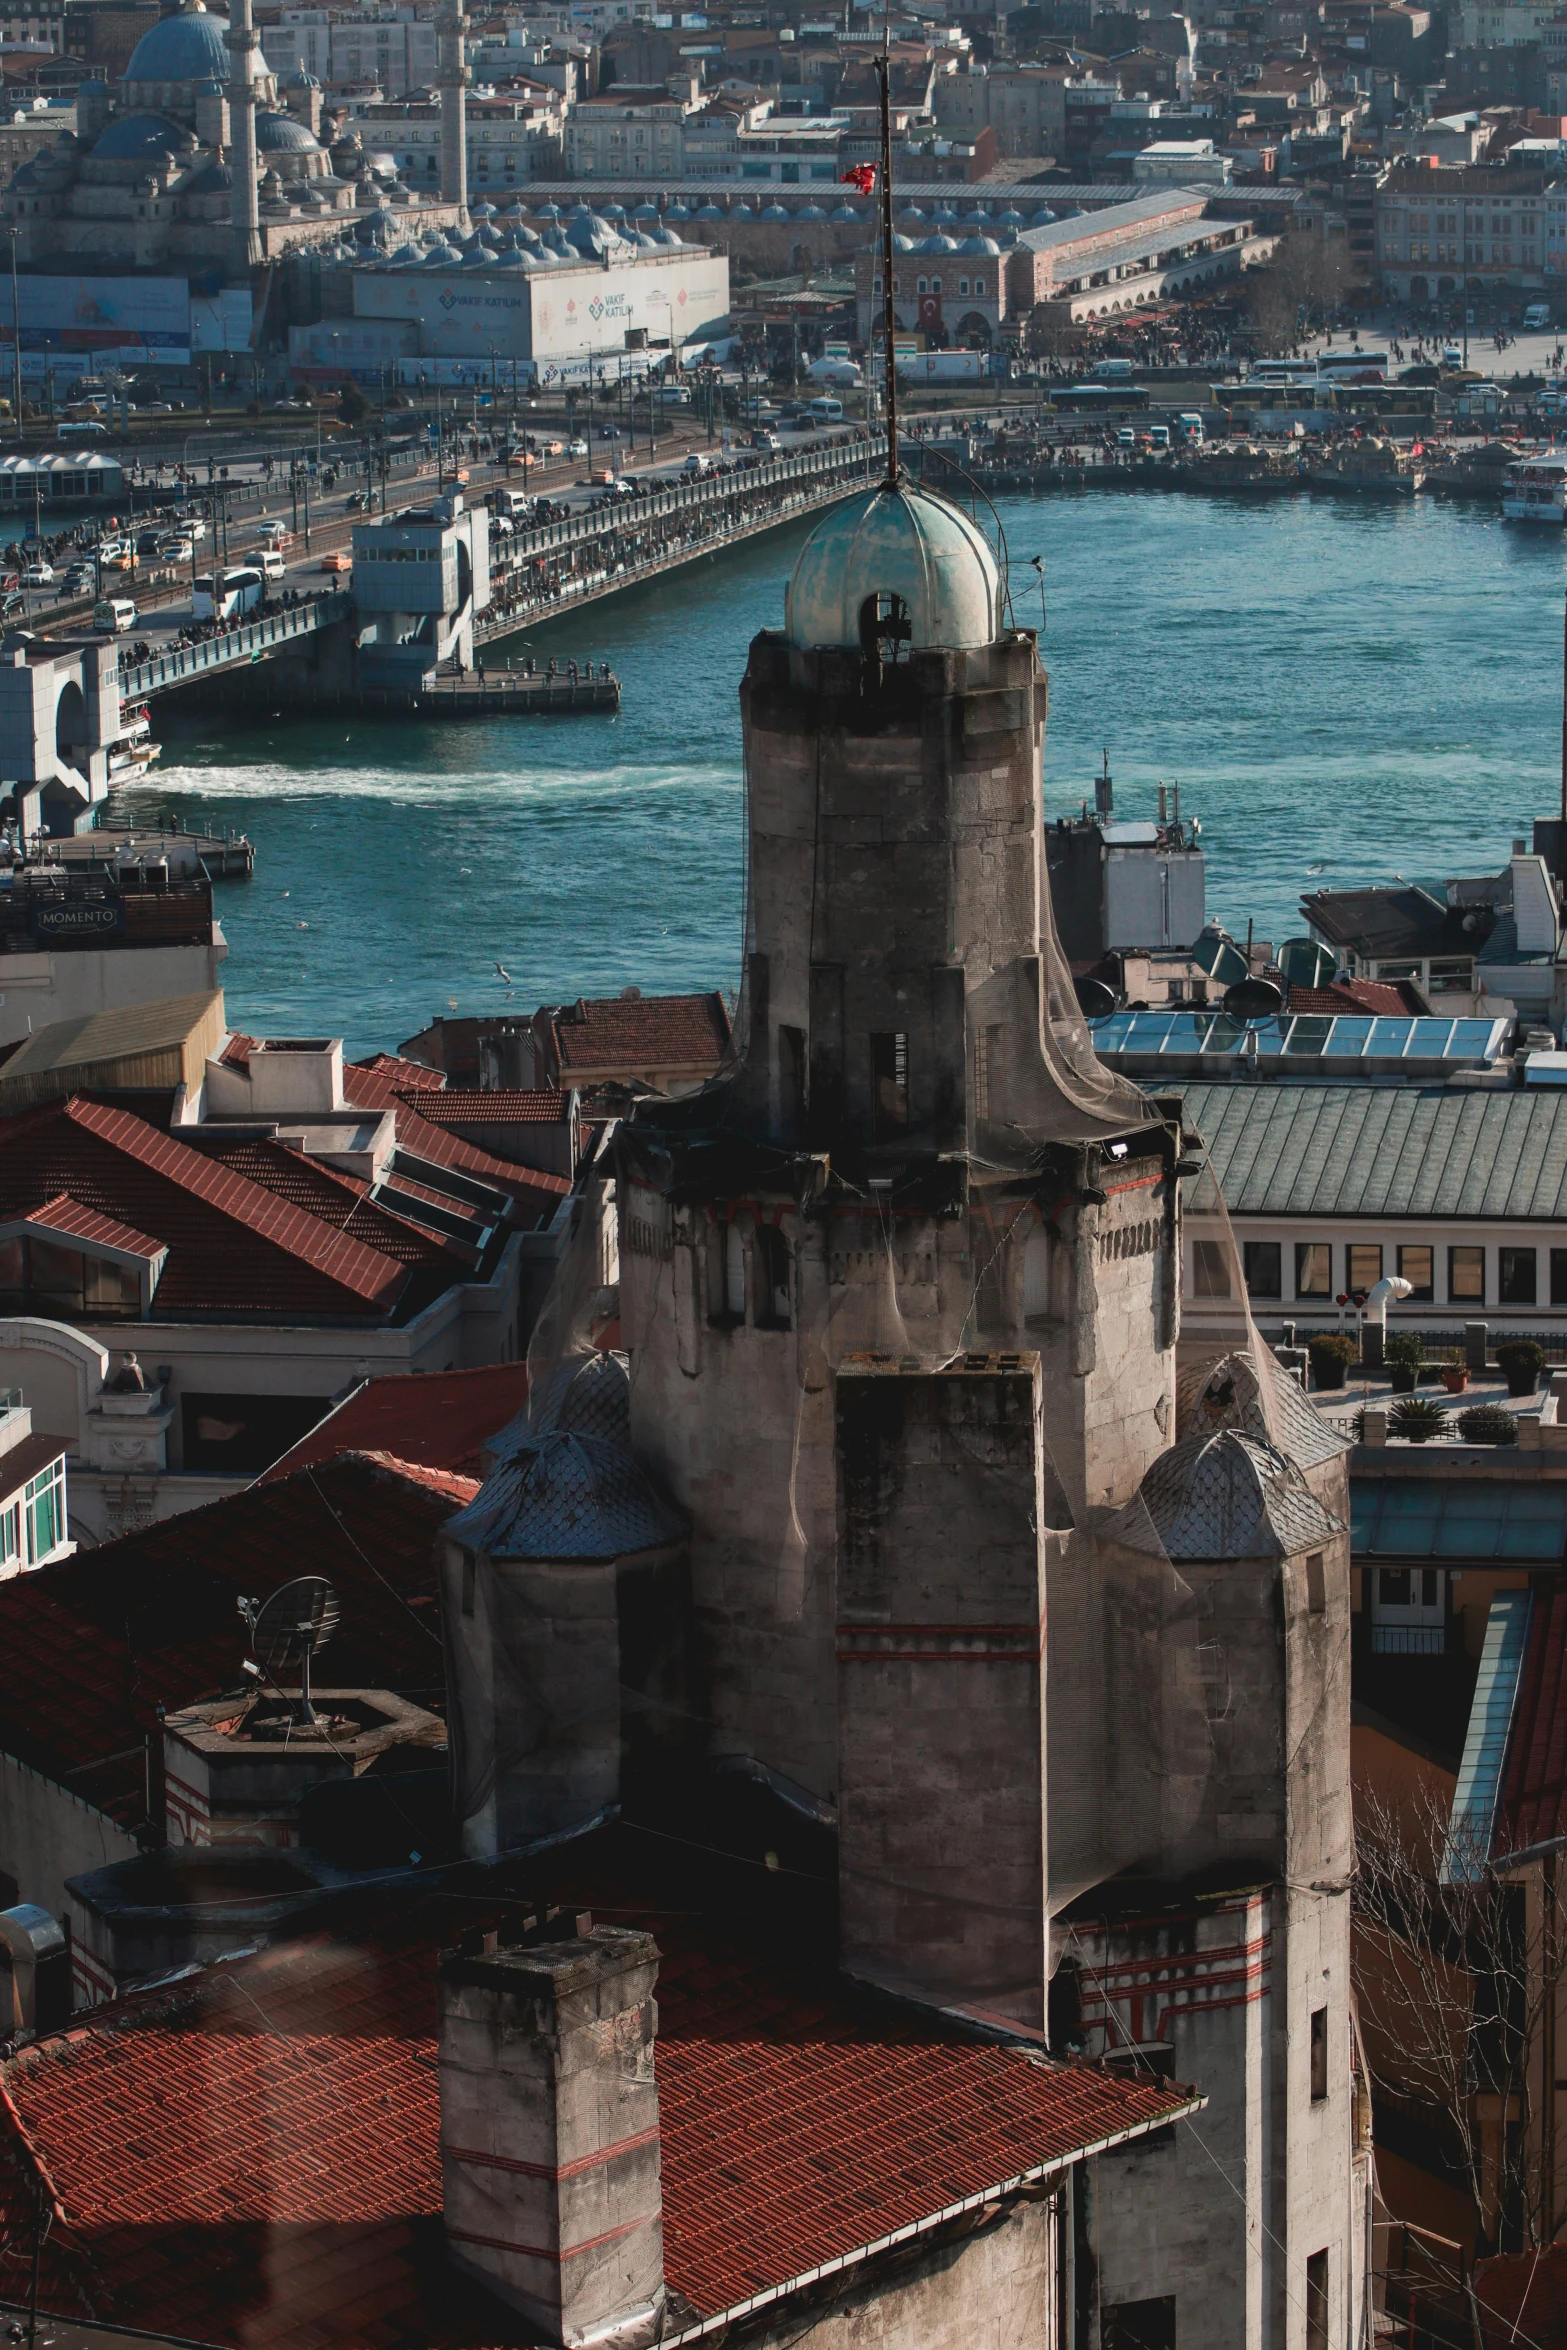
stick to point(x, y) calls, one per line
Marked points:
point(502, 973)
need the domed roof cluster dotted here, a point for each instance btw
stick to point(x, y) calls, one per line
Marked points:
point(903, 543)
point(565, 1484)
point(560, 243)
point(277, 132)
point(189, 46)
point(132, 137)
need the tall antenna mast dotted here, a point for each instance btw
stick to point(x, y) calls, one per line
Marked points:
point(884, 70)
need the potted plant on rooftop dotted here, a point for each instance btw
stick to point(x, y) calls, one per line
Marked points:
point(1521, 1360)
point(1455, 1371)
point(1404, 1355)
point(1417, 1418)
point(1487, 1423)
point(1331, 1352)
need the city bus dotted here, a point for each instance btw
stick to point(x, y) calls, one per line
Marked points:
point(238, 592)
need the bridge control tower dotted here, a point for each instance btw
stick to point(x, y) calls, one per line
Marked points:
point(61, 719)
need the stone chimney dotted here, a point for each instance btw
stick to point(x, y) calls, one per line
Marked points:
point(549, 2128)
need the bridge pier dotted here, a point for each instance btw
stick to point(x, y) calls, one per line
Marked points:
point(61, 719)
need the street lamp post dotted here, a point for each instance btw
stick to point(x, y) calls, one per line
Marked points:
point(16, 337)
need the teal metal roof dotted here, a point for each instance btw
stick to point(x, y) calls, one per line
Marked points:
point(1471, 1521)
point(1485, 1743)
point(1378, 1150)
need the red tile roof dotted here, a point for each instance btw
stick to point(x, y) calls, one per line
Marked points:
point(661, 1031)
point(336, 1197)
point(415, 1074)
point(1389, 997)
point(544, 1105)
point(233, 1248)
point(1534, 1785)
point(1523, 2300)
point(531, 1188)
point(72, 1221)
point(441, 1418)
point(252, 2157)
point(90, 1647)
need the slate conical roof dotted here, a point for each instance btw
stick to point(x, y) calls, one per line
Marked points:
point(1230, 1394)
point(565, 1483)
point(1224, 1496)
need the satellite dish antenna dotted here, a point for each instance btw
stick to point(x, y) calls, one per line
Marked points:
point(290, 1628)
point(1254, 999)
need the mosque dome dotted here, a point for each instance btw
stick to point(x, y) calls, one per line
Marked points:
point(216, 180)
point(905, 543)
point(187, 47)
point(277, 133)
point(131, 137)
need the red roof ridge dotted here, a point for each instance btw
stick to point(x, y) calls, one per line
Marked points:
point(351, 1264)
point(446, 1481)
point(66, 1214)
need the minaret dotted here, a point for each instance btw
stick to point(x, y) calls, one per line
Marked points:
point(243, 43)
point(451, 79)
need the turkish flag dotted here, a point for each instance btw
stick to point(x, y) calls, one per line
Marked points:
point(859, 175)
point(930, 311)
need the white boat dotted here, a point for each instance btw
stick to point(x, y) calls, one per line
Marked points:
point(135, 751)
point(1535, 490)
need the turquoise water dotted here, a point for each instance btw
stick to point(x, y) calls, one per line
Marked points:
point(1343, 691)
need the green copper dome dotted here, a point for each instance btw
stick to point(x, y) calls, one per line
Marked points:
point(903, 543)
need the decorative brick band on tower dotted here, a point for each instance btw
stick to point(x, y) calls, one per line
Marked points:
point(550, 2132)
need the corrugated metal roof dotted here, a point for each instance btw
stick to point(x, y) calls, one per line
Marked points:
point(110, 1036)
point(1381, 1150)
point(1485, 1746)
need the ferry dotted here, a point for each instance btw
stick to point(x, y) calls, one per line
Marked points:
point(136, 750)
point(1535, 490)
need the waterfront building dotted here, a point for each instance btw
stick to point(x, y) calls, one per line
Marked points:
point(259, 1223)
point(1063, 273)
point(421, 580)
point(85, 940)
point(1444, 228)
point(578, 298)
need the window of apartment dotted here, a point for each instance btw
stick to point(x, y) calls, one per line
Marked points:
point(43, 1508)
point(11, 1535)
point(1313, 1268)
point(1466, 1276)
point(1364, 1265)
point(1264, 1268)
point(889, 1085)
point(1417, 1266)
point(1317, 2301)
point(1210, 1269)
point(1559, 1276)
point(1138, 2325)
point(1319, 2054)
point(1515, 1283)
point(772, 1278)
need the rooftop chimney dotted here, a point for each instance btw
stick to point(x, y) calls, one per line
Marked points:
point(549, 2130)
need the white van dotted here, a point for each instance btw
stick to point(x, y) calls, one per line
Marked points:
point(1537, 318)
point(267, 561)
point(227, 598)
point(826, 411)
point(1113, 371)
point(115, 616)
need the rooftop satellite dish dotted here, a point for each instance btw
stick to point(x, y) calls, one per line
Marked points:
point(1094, 1000)
point(1254, 999)
point(290, 1628)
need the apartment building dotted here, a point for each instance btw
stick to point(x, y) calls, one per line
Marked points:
point(392, 47)
point(626, 130)
point(514, 134)
point(1439, 228)
point(1024, 105)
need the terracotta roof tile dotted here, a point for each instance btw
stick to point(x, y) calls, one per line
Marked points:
point(686, 1031)
point(91, 1646)
point(252, 2157)
point(439, 1418)
point(532, 1190)
point(72, 1221)
point(541, 1105)
point(234, 1248)
point(1393, 998)
point(414, 1074)
point(328, 1193)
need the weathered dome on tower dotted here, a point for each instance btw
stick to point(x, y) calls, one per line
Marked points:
point(902, 543)
point(1224, 1496)
point(186, 47)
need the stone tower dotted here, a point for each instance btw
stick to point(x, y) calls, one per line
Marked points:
point(452, 76)
point(911, 1262)
point(244, 44)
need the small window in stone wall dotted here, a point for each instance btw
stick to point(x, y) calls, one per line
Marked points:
point(1138, 2325)
point(1210, 1269)
point(771, 1258)
point(1319, 2055)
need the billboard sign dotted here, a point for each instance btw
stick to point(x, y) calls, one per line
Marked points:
point(136, 320)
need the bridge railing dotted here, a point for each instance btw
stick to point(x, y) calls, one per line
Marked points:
point(251, 642)
point(841, 459)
